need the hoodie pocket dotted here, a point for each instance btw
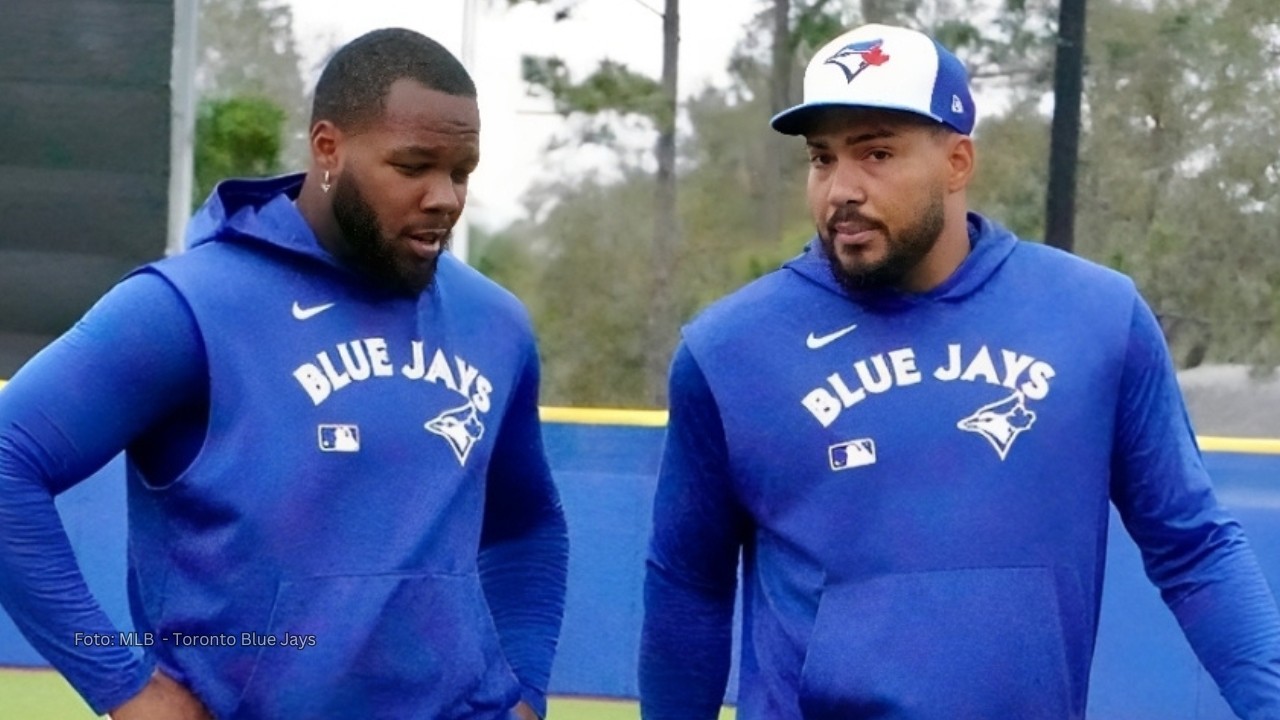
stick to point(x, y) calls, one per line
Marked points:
point(383, 646)
point(971, 644)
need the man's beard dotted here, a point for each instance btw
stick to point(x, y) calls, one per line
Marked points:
point(369, 250)
point(904, 249)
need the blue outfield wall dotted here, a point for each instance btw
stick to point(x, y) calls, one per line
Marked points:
point(1143, 668)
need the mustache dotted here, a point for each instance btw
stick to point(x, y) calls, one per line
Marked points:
point(850, 215)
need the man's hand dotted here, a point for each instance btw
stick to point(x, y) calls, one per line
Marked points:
point(524, 712)
point(162, 698)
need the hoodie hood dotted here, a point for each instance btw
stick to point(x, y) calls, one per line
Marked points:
point(990, 245)
point(257, 211)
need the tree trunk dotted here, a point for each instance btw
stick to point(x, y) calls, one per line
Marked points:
point(1064, 142)
point(663, 323)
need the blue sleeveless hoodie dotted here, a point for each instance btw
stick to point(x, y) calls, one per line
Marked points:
point(318, 559)
point(928, 480)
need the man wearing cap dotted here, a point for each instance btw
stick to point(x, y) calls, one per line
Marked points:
point(911, 433)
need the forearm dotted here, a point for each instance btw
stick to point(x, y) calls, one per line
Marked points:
point(1231, 622)
point(524, 580)
point(43, 591)
point(685, 648)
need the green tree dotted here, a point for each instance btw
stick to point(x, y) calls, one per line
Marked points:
point(589, 301)
point(1013, 169)
point(247, 48)
point(613, 89)
point(1178, 174)
point(236, 137)
point(506, 258)
point(1179, 167)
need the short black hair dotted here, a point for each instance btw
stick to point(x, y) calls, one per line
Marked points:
point(353, 88)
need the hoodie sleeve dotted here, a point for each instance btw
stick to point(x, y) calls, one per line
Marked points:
point(1192, 549)
point(524, 546)
point(691, 580)
point(133, 359)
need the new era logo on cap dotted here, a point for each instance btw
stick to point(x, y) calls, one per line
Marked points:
point(889, 68)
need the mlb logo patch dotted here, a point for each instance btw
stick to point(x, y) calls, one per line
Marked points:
point(852, 454)
point(339, 438)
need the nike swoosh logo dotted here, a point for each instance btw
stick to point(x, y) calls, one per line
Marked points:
point(814, 342)
point(301, 313)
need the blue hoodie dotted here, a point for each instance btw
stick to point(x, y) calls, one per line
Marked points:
point(918, 485)
point(347, 514)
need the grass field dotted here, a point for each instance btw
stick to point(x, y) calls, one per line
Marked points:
point(41, 695)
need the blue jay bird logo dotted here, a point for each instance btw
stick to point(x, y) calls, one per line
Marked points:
point(1001, 422)
point(868, 52)
point(461, 427)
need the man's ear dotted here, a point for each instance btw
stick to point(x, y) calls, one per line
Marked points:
point(961, 162)
point(326, 145)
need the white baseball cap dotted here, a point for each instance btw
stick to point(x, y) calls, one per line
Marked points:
point(891, 68)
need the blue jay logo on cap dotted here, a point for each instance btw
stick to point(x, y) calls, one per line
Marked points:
point(868, 52)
